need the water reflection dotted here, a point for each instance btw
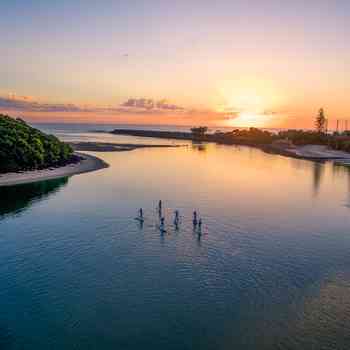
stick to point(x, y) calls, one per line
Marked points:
point(140, 224)
point(324, 311)
point(340, 170)
point(199, 146)
point(343, 171)
point(265, 268)
point(16, 199)
point(318, 172)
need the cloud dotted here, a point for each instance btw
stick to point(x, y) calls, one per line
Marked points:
point(163, 104)
point(150, 104)
point(24, 103)
point(142, 103)
point(132, 105)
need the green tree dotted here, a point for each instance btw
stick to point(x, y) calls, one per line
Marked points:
point(23, 147)
point(321, 122)
point(199, 132)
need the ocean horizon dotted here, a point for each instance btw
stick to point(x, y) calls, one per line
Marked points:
point(88, 127)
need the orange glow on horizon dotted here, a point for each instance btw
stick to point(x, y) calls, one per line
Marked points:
point(246, 119)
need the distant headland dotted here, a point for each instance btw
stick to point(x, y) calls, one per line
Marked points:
point(317, 145)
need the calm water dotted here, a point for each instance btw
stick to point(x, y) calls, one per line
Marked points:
point(271, 270)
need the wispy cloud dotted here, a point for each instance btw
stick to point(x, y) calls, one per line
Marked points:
point(132, 105)
point(24, 103)
point(153, 110)
point(150, 104)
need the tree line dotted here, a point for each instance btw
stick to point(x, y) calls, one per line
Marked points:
point(23, 147)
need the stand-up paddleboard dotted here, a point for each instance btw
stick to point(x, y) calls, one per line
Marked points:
point(140, 219)
point(162, 229)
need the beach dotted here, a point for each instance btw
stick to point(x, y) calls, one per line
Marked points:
point(310, 152)
point(114, 147)
point(87, 164)
point(319, 152)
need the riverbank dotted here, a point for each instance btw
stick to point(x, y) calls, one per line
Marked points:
point(85, 164)
point(312, 152)
point(113, 147)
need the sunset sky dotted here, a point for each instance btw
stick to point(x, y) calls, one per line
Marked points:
point(261, 63)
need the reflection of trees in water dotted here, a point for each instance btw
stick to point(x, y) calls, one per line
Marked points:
point(318, 171)
point(15, 199)
point(199, 146)
point(342, 170)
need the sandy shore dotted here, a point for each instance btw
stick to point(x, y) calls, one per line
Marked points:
point(318, 152)
point(89, 163)
point(114, 147)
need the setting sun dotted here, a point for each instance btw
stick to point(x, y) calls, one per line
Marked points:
point(250, 102)
point(248, 119)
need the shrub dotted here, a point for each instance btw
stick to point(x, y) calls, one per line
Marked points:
point(23, 147)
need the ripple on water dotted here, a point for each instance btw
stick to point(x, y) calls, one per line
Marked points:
point(270, 270)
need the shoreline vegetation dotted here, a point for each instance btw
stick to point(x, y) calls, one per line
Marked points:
point(85, 163)
point(309, 145)
point(29, 155)
point(113, 147)
point(79, 163)
point(23, 147)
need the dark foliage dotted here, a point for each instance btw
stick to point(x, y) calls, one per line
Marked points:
point(16, 199)
point(251, 136)
point(321, 122)
point(25, 148)
point(199, 131)
point(302, 137)
point(340, 142)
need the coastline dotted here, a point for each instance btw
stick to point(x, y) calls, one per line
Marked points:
point(316, 153)
point(113, 147)
point(91, 163)
point(312, 152)
point(87, 164)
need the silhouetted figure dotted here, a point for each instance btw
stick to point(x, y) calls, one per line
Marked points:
point(139, 218)
point(176, 218)
point(199, 227)
point(160, 208)
point(162, 226)
point(194, 218)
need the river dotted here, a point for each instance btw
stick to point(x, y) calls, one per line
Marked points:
point(270, 269)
